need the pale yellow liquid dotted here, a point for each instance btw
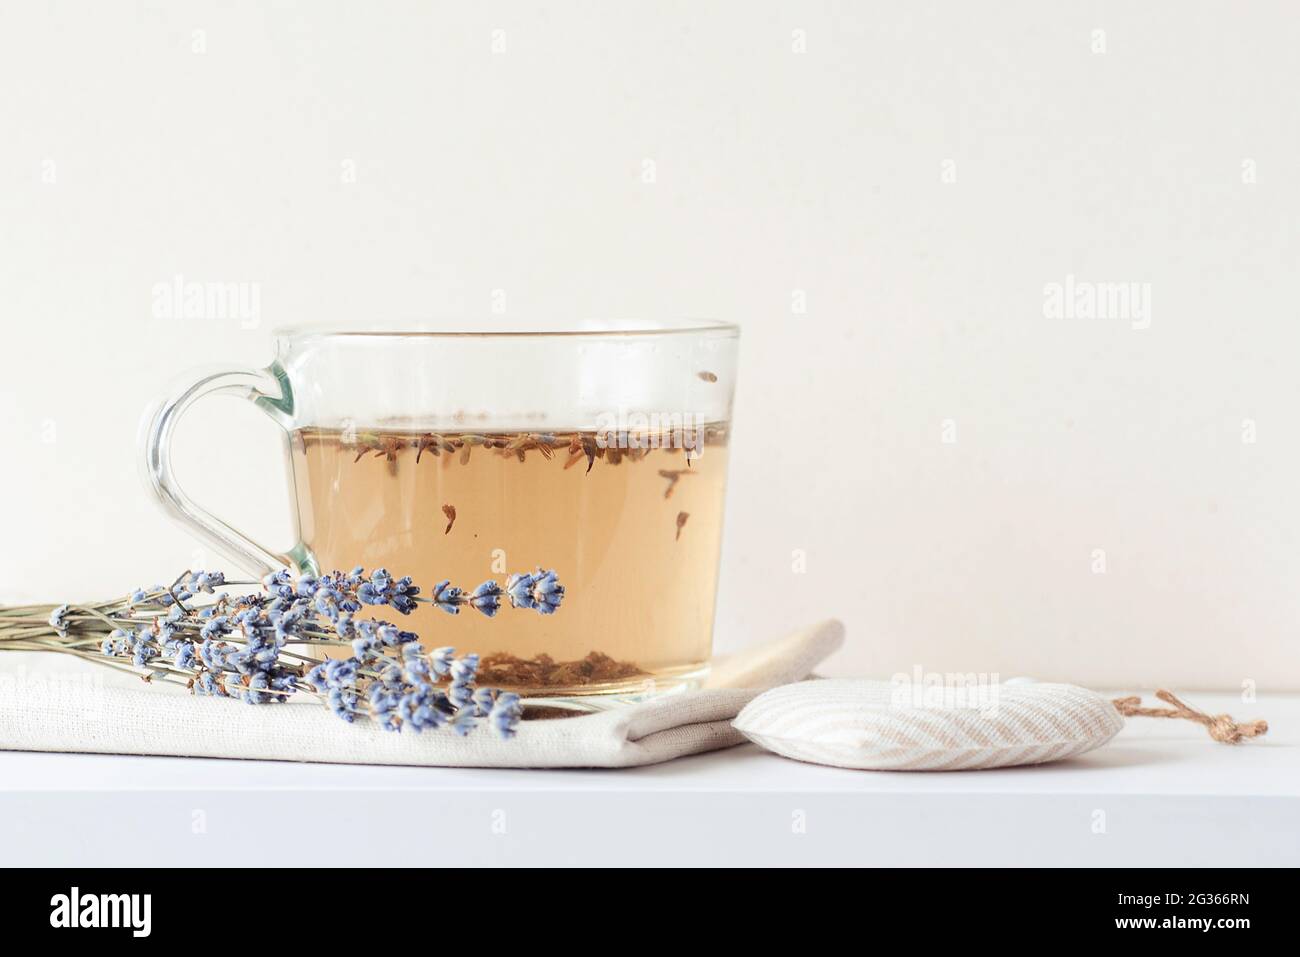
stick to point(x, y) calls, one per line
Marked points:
point(640, 586)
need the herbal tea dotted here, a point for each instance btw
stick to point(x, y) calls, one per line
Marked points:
point(631, 522)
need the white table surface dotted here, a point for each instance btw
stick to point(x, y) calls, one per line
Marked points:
point(1162, 793)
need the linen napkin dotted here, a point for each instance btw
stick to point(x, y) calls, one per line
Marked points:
point(111, 718)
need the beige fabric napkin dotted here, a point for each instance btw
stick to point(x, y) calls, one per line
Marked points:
point(114, 719)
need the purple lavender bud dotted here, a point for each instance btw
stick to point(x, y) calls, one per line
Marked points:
point(427, 716)
point(464, 670)
point(242, 661)
point(344, 704)
point(184, 657)
point(484, 699)
point(381, 699)
point(403, 595)
point(326, 603)
point(460, 694)
point(441, 659)
point(207, 684)
point(280, 584)
point(317, 677)
point(208, 654)
point(519, 587)
point(341, 672)
point(464, 722)
point(447, 597)
point(366, 649)
point(266, 658)
point(381, 589)
point(506, 714)
point(59, 619)
point(206, 581)
point(487, 598)
point(406, 707)
point(121, 640)
point(547, 592)
point(419, 710)
point(215, 627)
point(256, 685)
point(343, 626)
point(416, 671)
point(288, 624)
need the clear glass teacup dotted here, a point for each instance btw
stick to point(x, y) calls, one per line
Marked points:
point(598, 451)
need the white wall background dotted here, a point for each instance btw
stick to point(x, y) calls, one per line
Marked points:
point(798, 150)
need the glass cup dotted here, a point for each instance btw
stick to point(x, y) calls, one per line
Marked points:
point(598, 451)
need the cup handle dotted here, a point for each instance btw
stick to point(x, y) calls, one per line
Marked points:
point(266, 388)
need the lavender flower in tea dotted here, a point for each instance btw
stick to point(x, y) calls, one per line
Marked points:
point(609, 508)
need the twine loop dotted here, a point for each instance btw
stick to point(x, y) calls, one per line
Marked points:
point(1221, 727)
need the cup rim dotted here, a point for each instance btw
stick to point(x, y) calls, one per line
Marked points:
point(429, 329)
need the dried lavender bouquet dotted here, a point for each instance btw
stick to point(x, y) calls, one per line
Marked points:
point(239, 647)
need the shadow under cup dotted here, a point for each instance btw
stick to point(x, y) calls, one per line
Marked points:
point(598, 452)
